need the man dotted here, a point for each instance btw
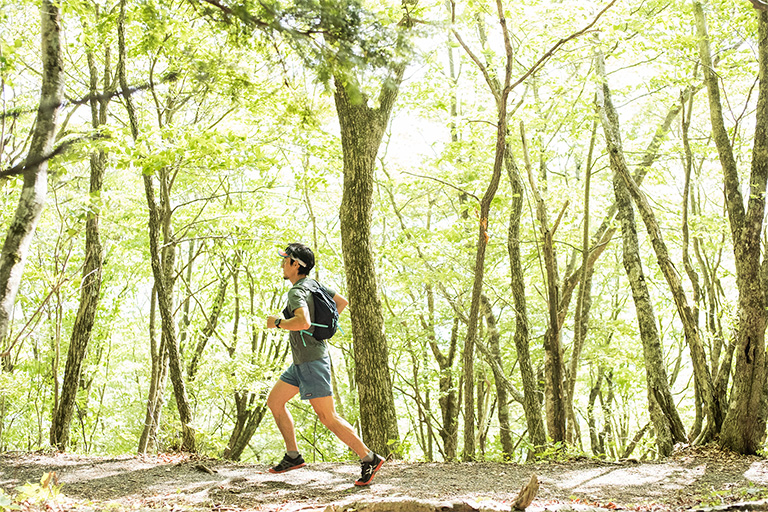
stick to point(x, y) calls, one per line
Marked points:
point(310, 373)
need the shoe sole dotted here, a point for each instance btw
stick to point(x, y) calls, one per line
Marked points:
point(360, 484)
point(272, 470)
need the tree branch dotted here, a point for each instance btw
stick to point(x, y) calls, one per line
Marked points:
point(560, 43)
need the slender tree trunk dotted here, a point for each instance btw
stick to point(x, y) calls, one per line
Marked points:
point(531, 403)
point(702, 374)
point(163, 265)
point(501, 95)
point(90, 287)
point(449, 396)
point(553, 351)
point(583, 303)
point(162, 256)
point(666, 421)
point(743, 429)
point(157, 381)
point(594, 438)
point(494, 341)
point(211, 321)
point(35, 178)
point(361, 131)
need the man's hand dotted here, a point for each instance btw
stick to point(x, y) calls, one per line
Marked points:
point(271, 322)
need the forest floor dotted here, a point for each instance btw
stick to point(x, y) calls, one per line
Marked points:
point(690, 479)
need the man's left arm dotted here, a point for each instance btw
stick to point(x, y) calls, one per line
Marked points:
point(299, 322)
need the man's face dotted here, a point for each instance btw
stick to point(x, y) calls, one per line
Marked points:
point(289, 267)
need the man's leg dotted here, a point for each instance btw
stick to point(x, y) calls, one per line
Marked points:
point(326, 412)
point(281, 393)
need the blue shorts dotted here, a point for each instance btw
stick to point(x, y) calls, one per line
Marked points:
point(313, 378)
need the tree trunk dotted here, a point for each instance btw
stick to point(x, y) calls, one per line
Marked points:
point(501, 95)
point(449, 396)
point(163, 259)
point(555, 393)
point(505, 432)
point(250, 411)
point(35, 174)
point(157, 381)
point(583, 303)
point(211, 321)
point(90, 288)
point(702, 374)
point(531, 404)
point(362, 128)
point(596, 444)
point(162, 264)
point(743, 429)
point(666, 421)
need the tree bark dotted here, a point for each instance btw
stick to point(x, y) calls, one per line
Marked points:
point(35, 175)
point(555, 392)
point(596, 445)
point(211, 321)
point(583, 303)
point(162, 256)
point(501, 95)
point(531, 404)
point(666, 421)
point(505, 432)
point(157, 381)
point(90, 287)
point(610, 121)
point(362, 128)
point(743, 429)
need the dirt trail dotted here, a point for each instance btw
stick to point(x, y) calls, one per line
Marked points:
point(690, 479)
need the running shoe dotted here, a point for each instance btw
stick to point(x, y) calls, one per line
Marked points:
point(288, 464)
point(369, 470)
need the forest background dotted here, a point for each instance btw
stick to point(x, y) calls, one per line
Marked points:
point(468, 174)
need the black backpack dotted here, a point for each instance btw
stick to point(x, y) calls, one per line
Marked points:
point(326, 320)
point(326, 317)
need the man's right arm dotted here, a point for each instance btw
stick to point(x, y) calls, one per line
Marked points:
point(341, 302)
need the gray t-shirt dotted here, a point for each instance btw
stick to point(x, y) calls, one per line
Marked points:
point(304, 347)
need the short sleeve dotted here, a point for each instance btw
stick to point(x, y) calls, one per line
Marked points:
point(328, 291)
point(297, 298)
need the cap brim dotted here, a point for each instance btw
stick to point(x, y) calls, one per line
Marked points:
point(294, 258)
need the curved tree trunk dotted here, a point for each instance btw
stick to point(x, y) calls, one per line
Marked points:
point(743, 429)
point(666, 421)
point(531, 405)
point(35, 184)
point(744, 426)
point(90, 288)
point(610, 120)
point(162, 255)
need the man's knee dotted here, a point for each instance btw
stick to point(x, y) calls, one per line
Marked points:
point(328, 418)
point(275, 404)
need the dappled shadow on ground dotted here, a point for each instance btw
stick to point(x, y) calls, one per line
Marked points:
point(680, 482)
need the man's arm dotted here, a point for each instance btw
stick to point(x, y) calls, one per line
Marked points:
point(299, 322)
point(341, 302)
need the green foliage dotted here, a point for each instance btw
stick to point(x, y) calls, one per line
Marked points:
point(244, 140)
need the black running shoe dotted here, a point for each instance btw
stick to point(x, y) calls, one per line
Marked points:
point(369, 470)
point(288, 464)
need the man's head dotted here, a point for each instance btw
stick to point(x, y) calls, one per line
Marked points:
point(299, 255)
